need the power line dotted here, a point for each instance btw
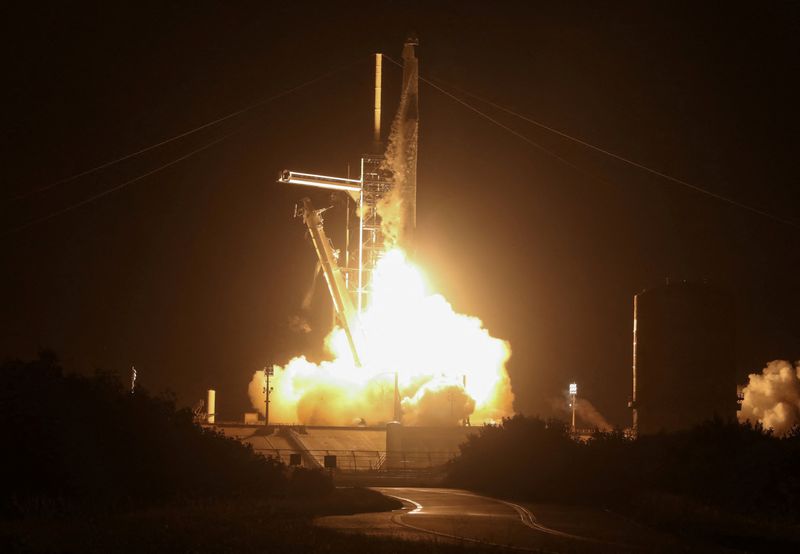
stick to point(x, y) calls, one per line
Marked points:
point(632, 162)
point(643, 167)
point(111, 190)
point(492, 120)
point(514, 132)
point(186, 133)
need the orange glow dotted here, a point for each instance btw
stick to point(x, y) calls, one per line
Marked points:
point(448, 365)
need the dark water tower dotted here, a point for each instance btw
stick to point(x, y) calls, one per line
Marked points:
point(683, 357)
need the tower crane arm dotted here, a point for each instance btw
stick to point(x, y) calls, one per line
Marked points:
point(351, 186)
point(342, 302)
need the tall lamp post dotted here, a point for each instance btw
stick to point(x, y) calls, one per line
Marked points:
point(269, 371)
point(573, 393)
point(398, 411)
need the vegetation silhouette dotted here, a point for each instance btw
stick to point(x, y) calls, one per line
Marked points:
point(733, 467)
point(78, 443)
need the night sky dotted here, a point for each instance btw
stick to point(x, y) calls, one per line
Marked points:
point(192, 273)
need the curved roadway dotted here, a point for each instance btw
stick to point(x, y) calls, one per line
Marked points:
point(451, 515)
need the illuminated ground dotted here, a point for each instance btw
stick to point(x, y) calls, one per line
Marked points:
point(457, 516)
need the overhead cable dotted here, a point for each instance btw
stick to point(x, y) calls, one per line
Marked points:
point(179, 136)
point(111, 190)
point(632, 162)
point(562, 134)
point(491, 119)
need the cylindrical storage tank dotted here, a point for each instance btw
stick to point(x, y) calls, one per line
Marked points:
point(212, 405)
point(394, 445)
point(683, 357)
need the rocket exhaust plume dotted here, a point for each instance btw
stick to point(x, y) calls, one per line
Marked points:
point(408, 331)
point(447, 366)
point(772, 398)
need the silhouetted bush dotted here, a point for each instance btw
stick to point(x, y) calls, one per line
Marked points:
point(523, 457)
point(735, 467)
point(309, 482)
point(86, 441)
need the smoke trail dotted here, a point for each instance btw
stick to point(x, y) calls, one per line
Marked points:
point(772, 397)
point(585, 412)
point(398, 210)
point(591, 416)
point(299, 323)
point(309, 296)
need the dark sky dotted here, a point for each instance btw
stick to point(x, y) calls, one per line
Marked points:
point(192, 273)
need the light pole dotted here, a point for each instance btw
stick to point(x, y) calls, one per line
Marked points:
point(573, 393)
point(450, 397)
point(464, 383)
point(269, 371)
point(398, 411)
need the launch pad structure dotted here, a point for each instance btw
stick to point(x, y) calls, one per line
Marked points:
point(381, 181)
point(386, 189)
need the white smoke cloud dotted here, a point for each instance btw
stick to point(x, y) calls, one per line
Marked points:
point(587, 416)
point(447, 365)
point(324, 394)
point(772, 397)
point(591, 416)
point(438, 405)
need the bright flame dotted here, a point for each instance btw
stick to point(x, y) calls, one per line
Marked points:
point(448, 366)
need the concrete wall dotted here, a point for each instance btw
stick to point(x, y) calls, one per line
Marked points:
point(423, 447)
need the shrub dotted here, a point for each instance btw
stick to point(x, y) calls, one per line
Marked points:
point(86, 441)
point(739, 468)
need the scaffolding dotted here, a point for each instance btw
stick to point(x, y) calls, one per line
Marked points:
point(368, 192)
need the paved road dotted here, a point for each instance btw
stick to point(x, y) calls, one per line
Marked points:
point(451, 515)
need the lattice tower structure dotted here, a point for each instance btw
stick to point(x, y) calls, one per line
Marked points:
point(377, 184)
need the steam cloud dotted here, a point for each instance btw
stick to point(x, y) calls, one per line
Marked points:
point(585, 412)
point(589, 415)
point(772, 397)
point(447, 364)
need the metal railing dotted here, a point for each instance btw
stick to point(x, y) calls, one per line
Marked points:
point(363, 460)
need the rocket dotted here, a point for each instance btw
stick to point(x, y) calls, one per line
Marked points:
point(385, 196)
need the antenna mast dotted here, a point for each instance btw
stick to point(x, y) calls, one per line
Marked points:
point(378, 78)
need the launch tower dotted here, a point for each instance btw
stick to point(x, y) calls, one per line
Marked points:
point(387, 181)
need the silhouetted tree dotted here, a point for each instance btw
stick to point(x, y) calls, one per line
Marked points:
point(86, 441)
point(737, 467)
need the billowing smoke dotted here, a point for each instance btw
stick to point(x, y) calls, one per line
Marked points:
point(589, 415)
point(299, 324)
point(398, 208)
point(438, 405)
point(329, 393)
point(447, 365)
point(586, 415)
point(772, 397)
